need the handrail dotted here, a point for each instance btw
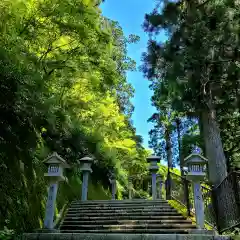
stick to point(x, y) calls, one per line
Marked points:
point(238, 172)
point(177, 175)
point(208, 187)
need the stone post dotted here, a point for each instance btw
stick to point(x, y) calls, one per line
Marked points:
point(130, 187)
point(160, 183)
point(196, 173)
point(153, 168)
point(113, 185)
point(56, 167)
point(198, 205)
point(149, 187)
point(50, 206)
point(85, 167)
point(154, 185)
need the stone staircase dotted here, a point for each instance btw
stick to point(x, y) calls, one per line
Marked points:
point(123, 220)
point(129, 216)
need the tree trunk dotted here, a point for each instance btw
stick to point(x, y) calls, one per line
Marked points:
point(169, 161)
point(181, 160)
point(214, 147)
point(168, 149)
point(200, 124)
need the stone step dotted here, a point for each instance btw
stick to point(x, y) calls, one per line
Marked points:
point(114, 203)
point(124, 217)
point(132, 231)
point(127, 226)
point(118, 203)
point(121, 211)
point(127, 214)
point(96, 208)
point(114, 221)
point(112, 236)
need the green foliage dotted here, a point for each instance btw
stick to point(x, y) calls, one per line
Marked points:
point(183, 210)
point(63, 83)
point(6, 234)
point(196, 73)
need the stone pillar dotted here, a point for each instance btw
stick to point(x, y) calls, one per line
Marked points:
point(198, 205)
point(114, 189)
point(85, 185)
point(130, 187)
point(85, 167)
point(154, 185)
point(149, 187)
point(50, 206)
point(113, 185)
point(159, 183)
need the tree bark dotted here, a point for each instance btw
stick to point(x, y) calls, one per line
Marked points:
point(214, 148)
point(168, 148)
point(181, 160)
point(169, 160)
point(200, 124)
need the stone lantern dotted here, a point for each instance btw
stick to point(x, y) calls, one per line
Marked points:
point(196, 172)
point(153, 168)
point(56, 166)
point(112, 180)
point(85, 167)
point(196, 167)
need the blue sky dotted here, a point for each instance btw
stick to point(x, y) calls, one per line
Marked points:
point(130, 15)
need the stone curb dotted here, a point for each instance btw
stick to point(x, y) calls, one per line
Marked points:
point(75, 236)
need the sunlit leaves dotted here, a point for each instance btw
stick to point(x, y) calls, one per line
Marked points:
point(63, 79)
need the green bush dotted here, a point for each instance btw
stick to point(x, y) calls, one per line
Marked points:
point(6, 234)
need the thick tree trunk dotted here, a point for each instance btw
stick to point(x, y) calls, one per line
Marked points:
point(214, 147)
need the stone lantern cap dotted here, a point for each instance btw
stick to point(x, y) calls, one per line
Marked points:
point(86, 159)
point(195, 158)
point(85, 164)
point(55, 159)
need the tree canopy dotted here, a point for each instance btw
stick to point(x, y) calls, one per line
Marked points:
point(64, 88)
point(196, 73)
